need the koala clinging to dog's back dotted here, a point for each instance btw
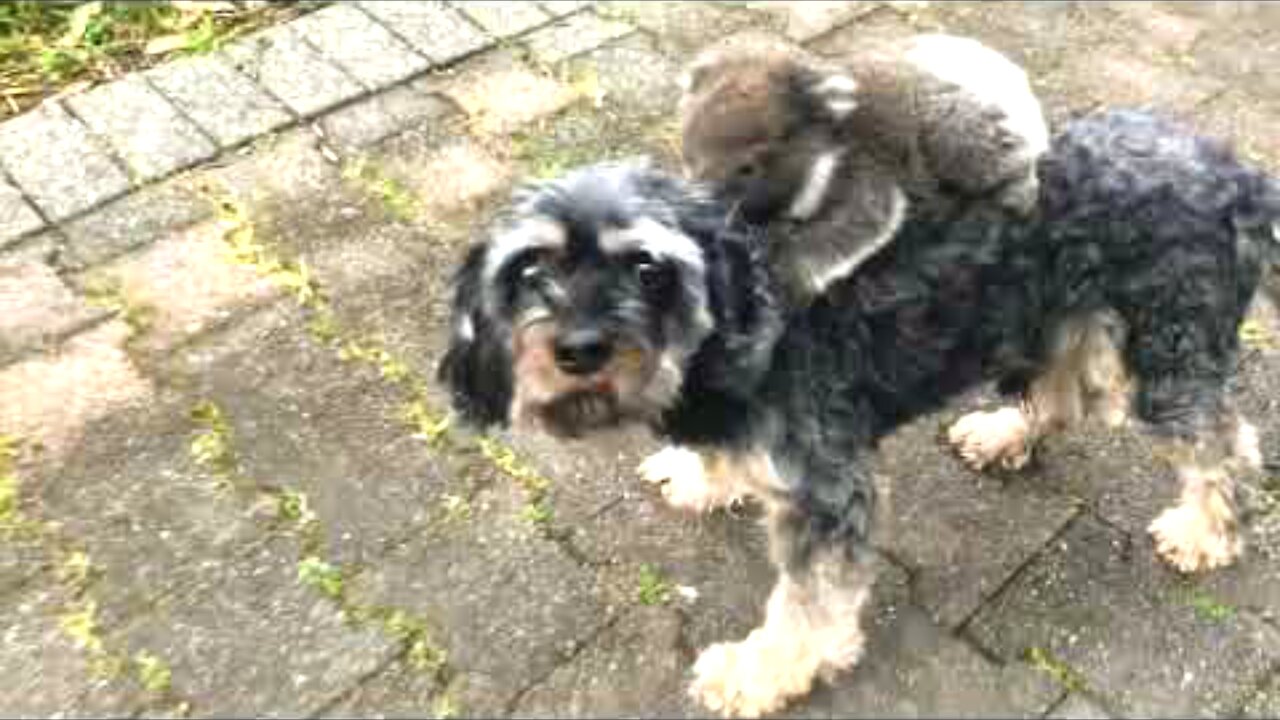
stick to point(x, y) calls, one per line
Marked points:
point(832, 153)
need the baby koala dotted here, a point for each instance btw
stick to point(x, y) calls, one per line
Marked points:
point(832, 152)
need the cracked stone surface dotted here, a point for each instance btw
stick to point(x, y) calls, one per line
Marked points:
point(147, 132)
point(17, 216)
point(285, 649)
point(368, 144)
point(57, 164)
point(226, 104)
point(282, 62)
point(1098, 604)
point(36, 306)
point(366, 50)
point(487, 580)
point(433, 28)
point(47, 673)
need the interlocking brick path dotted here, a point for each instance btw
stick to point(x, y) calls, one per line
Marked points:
point(226, 486)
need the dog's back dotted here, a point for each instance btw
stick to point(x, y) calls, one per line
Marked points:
point(1138, 216)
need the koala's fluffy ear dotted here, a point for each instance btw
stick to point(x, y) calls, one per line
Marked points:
point(837, 92)
point(828, 93)
point(476, 367)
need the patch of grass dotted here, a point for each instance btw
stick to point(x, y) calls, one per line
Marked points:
point(428, 426)
point(76, 570)
point(49, 47)
point(322, 576)
point(412, 632)
point(541, 157)
point(537, 510)
point(81, 625)
point(10, 512)
point(456, 508)
point(14, 523)
point(1255, 336)
point(1205, 606)
point(242, 247)
point(1063, 674)
point(537, 513)
point(291, 506)
point(653, 588)
point(445, 707)
point(509, 463)
point(153, 673)
point(212, 446)
point(108, 293)
point(389, 366)
point(399, 202)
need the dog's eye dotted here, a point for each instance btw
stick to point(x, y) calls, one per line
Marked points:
point(747, 170)
point(532, 271)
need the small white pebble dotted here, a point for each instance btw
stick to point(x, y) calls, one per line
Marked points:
point(690, 594)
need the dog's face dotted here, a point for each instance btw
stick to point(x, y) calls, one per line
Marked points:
point(581, 310)
point(757, 117)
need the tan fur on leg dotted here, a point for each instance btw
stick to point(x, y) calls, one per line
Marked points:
point(1200, 532)
point(1246, 447)
point(812, 630)
point(703, 479)
point(1086, 375)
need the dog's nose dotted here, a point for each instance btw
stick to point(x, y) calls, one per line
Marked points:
point(582, 352)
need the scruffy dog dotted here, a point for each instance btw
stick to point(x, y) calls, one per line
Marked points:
point(621, 293)
point(833, 151)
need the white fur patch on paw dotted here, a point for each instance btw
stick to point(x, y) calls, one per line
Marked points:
point(746, 679)
point(1000, 436)
point(1247, 447)
point(1191, 541)
point(683, 478)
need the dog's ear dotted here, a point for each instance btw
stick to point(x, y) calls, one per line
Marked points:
point(743, 302)
point(476, 367)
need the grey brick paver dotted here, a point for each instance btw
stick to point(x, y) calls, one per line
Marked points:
point(504, 19)
point(574, 35)
point(17, 217)
point(140, 124)
point(366, 50)
point(281, 62)
point(383, 115)
point(226, 104)
point(560, 8)
point(433, 28)
point(133, 221)
point(54, 159)
point(36, 307)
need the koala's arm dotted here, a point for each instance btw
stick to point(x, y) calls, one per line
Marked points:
point(860, 216)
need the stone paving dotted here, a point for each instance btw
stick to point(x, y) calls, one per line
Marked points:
point(227, 482)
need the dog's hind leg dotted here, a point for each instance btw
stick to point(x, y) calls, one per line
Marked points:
point(1182, 351)
point(1201, 531)
point(1084, 376)
point(812, 627)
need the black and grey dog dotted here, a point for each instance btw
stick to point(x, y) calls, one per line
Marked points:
point(620, 294)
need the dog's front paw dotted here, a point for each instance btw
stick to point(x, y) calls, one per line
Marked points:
point(1192, 542)
point(748, 679)
point(997, 437)
point(683, 478)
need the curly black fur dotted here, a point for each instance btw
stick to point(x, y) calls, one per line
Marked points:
point(1137, 215)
